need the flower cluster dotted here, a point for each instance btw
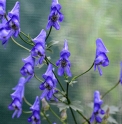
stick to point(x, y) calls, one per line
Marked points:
point(10, 24)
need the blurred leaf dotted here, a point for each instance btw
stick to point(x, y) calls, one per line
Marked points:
point(52, 43)
point(76, 105)
point(72, 82)
point(112, 120)
point(50, 50)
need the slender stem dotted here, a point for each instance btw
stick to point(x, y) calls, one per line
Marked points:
point(47, 118)
point(38, 78)
point(24, 34)
point(110, 89)
point(50, 62)
point(59, 81)
point(56, 115)
point(83, 117)
point(19, 44)
point(49, 33)
point(82, 73)
point(67, 90)
point(27, 112)
point(25, 40)
point(73, 115)
point(27, 102)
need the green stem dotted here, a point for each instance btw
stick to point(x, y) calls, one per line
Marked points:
point(59, 81)
point(24, 34)
point(82, 73)
point(25, 40)
point(27, 102)
point(110, 89)
point(48, 33)
point(83, 117)
point(19, 44)
point(56, 115)
point(73, 115)
point(27, 112)
point(38, 78)
point(67, 90)
point(50, 62)
point(47, 118)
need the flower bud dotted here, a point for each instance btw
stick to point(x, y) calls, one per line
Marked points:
point(45, 105)
point(63, 115)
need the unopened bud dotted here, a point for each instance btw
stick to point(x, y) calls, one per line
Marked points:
point(63, 115)
point(45, 105)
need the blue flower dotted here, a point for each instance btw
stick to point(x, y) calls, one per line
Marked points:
point(35, 117)
point(2, 8)
point(17, 98)
point(101, 57)
point(55, 15)
point(39, 48)
point(28, 68)
point(49, 85)
point(63, 63)
point(97, 111)
point(10, 27)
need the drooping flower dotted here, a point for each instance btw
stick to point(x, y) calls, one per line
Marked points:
point(55, 15)
point(49, 85)
point(101, 57)
point(97, 111)
point(17, 98)
point(35, 117)
point(11, 26)
point(2, 8)
point(28, 68)
point(63, 63)
point(39, 48)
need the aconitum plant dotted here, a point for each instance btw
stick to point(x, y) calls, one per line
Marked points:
point(51, 86)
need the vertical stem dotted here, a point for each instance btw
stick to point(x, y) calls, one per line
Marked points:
point(73, 115)
point(49, 33)
point(47, 118)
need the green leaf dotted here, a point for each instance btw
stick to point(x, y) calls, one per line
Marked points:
point(112, 109)
point(112, 120)
point(72, 82)
point(50, 50)
point(76, 105)
point(60, 105)
point(52, 43)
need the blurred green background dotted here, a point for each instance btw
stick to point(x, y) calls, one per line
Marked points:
point(84, 22)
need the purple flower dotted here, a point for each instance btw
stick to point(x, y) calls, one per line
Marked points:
point(39, 49)
point(28, 68)
point(55, 15)
point(17, 98)
point(35, 117)
point(120, 79)
point(101, 58)
point(49, 85)
point(2, 8)
point(97, 111)
point(63, 63)
point(10, 27)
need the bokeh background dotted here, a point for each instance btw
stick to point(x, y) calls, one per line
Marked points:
point(84, 22)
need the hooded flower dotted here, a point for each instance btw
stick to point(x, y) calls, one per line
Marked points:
point(55, 15)
point(35, 117)
point(63, 63)
point(39, 48)
point(97, 108)
point(2, 8)
point(11, 26)
point(17, 98)
point(49, 85)
point(101, 57)
point(28, 68)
